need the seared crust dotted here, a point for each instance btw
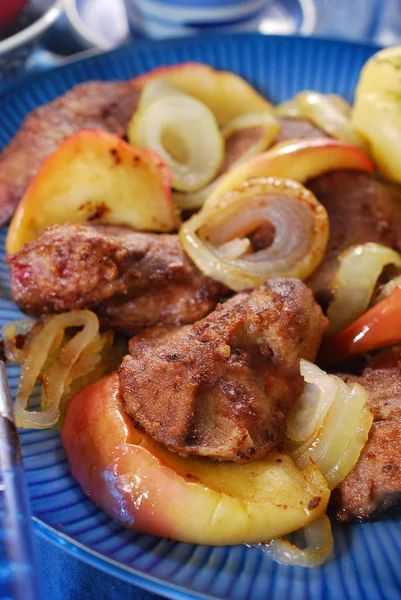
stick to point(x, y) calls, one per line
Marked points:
point(223, 387)
point(131, 280)
point(93, 105)
point(373, 488)
point(361, 209)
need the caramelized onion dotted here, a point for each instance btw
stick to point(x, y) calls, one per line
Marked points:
point(344, 425)
point(55, 378)
point(10, 332)
point(318, 550)
point(355, 281)
point(269, 129)
point(182, 130)
point(299, 220)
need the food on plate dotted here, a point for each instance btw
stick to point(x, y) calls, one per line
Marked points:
point(377, 328)
point(63, 363)
point(217, 406)
point(328, 112)
point(216, 237)
point(107, 106)
point(184, 133)
point(356, 277)
point(244, 136)
point(238, 373)
point(376, 112)
point(226, 94)
point(132, 280)
point(361, 209)
point(300, 160)
point(95, 176)
point(146, 487)
point(295, 128)
point(373, 487)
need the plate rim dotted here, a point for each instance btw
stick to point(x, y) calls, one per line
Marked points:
point(144, 44)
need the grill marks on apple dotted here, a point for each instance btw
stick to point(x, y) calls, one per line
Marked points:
point(223, 387)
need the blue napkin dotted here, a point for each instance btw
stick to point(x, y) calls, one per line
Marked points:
point(64, 577)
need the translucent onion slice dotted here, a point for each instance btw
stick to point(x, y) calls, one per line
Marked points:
point(289, 108)
point(318, 550)
point(387, 289)
point(299, 220)
point(355, 281)
point(326, 114)
point(268, 128)
point(351, 454)
point(154, 90)
point(185, 134)
point(340, 103)
point(336, 446)
point(307, 414)
point(10, 333)
point(54, 379)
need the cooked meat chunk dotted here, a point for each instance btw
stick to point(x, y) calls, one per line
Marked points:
point(361, 209)
point(238, 144)
point(223, 386)
point(373, 487)
point(298, 129)
point(131, 280)
point(93, 105)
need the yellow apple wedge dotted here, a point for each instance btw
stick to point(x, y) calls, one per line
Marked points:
point(226, 94)
point(144, 486)
point(95, 176)
point(376, 113)
point(299, 160)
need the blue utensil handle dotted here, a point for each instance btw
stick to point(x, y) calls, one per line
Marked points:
point(18, 572)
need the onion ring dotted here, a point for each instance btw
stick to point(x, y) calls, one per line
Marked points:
point(301, 233)
point(354, 282)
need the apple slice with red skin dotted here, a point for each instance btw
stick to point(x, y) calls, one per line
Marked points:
point(144, 486)
point(95, 176)
point(226, 94)
point(299, 160)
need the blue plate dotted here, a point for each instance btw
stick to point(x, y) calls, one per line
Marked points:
point(367, 557)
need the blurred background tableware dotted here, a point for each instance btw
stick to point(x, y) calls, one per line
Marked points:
point(175, 18)
point(22, 29)
point(98, 23)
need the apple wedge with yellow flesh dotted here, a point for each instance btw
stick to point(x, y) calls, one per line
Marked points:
point(95, 176)
point(225, 93)
point(299, 160)
point(144, 486)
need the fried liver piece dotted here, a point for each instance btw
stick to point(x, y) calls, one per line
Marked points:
point(131, 280)
point(107, 106)
point(223, 387)
point(293, 128)
point(373, 488)
point(361, 209)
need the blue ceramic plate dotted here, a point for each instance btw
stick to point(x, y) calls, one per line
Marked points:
point(367, 557)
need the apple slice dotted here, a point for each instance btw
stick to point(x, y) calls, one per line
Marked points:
point(144, 486)
point(226, 94)
point(299, 160)
point(95, 176)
